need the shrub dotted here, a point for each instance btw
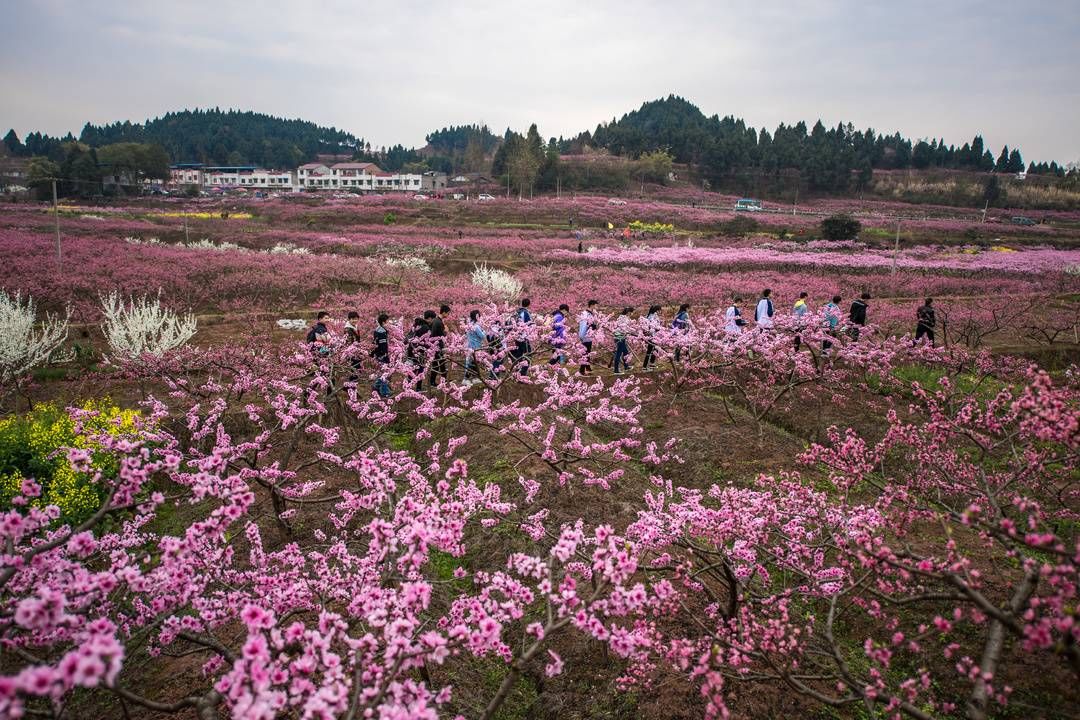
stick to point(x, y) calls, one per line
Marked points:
point(495, 282)
point(739, 226)
point(651, 227)
point(389, 218)
point(142, 326)
point(840, 227)
point(32, 446)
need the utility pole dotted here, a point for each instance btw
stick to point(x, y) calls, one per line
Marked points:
point(896, 247)
point(795, 206)
point(985, 208)
point(56, 217)
point(187, 238)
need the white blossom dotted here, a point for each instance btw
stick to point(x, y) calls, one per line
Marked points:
point(288, 248)
point(22, 347)
point(206, 244)
point(496, 282)
point(142, 326)
point(409, 262)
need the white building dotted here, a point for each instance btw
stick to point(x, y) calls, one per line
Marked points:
point(352, 176)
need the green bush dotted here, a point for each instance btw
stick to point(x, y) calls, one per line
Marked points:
point(840, 227)
point(389, 218)
point(739, 226)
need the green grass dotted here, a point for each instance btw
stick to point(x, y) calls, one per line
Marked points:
point(49, 373)
point(521, 700)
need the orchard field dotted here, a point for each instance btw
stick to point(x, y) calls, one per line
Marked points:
point(205, 517)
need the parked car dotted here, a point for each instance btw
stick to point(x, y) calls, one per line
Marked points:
point(420, 196)
point(616, 201)
point(484, 197)
point(747, 205)
point(1021, 220)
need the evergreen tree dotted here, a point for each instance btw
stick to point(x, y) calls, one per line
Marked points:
point(1002, 164)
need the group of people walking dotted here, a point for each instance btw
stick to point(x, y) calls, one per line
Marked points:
point(426, 339)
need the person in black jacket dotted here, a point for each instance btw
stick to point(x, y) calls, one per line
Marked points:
point(416, 350)
point(925, 321)
point(318, 336)
point(439, 364)
point(381, 352)
point(857, 315)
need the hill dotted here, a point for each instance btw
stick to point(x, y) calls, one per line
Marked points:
point(224, 137)
point(829, 159)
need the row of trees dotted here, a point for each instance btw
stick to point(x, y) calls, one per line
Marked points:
point(213, 136)
point(80, 168)
point(832, 159)
point(527, 165)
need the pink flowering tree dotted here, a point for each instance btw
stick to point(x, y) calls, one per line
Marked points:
point(945, 551)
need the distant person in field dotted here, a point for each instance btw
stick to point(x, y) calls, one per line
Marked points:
point(799, 312)
point(318, 337)
point(763, 313)
point(416, 349)
point(523, 348)
point(832, 319)
point(652, 324)
point(925, 320)
point(587, 325)
point(857, 315)
point(440, 364)
point(622, 347)
point(733, 320)
point(558, 335)
point(381, 352)
point(353, 337)
point(475, 337)
point(681, 324)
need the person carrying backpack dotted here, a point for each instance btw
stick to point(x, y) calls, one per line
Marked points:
point(925, 320)
point(318, 337)
point(733, 318)
point(763, 313)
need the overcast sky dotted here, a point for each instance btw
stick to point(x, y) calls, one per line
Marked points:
point(391, 72)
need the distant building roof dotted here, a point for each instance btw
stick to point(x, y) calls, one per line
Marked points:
point(312, 165)
point(357, 166)
point(186, 166)
point(230, 168)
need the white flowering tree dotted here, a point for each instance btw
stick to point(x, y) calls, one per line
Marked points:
point(495, 282)
point(141, 326)
point(24, 343)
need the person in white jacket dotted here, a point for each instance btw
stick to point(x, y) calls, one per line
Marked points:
point(763, 313)
point(733, 317)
